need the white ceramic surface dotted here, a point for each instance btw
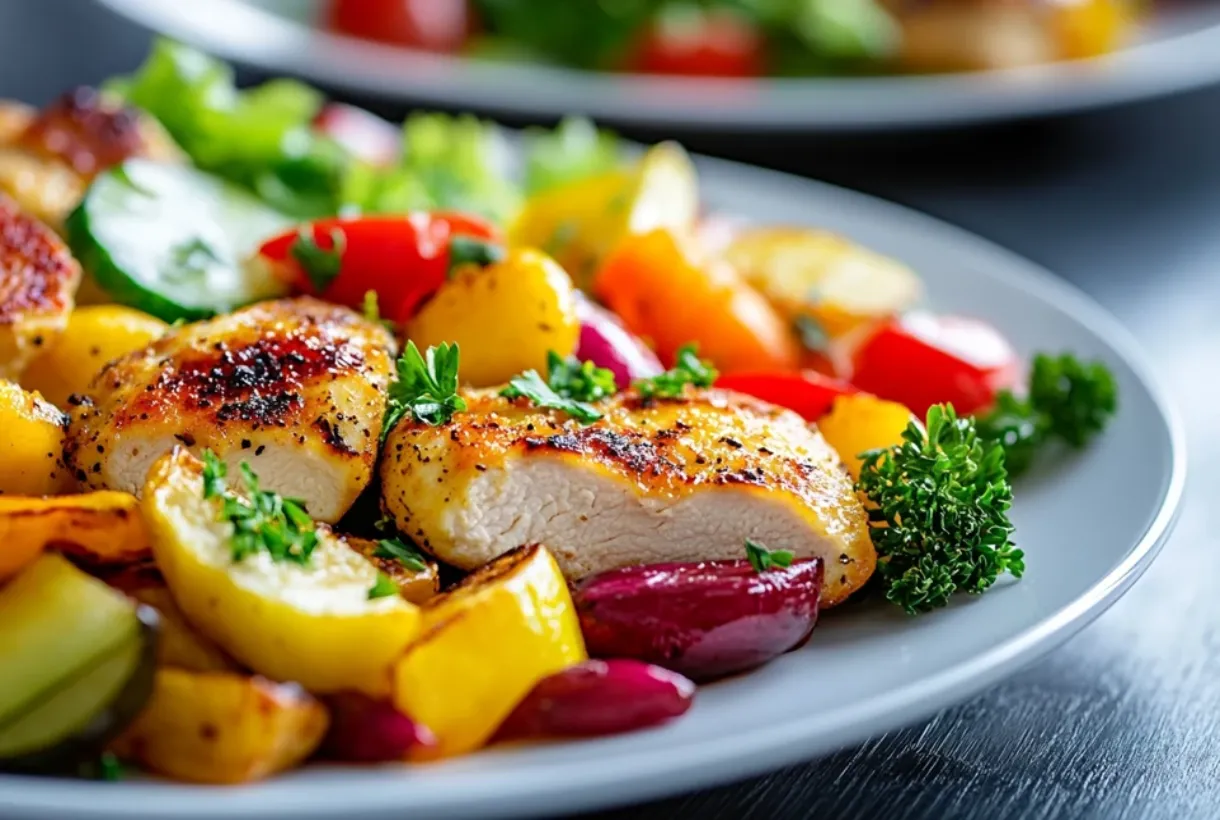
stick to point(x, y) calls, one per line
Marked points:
point(1180, 50)
point(1090, 524)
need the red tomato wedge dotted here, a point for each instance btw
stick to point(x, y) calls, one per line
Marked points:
point(920, 360)
point(404, 259)
point(432, 25)
point(715, 43)
point(808, 393)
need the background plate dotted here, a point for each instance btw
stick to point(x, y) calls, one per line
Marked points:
point(1180, 50)
point(1089, 524)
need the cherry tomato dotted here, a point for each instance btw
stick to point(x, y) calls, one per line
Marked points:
point(431, 25)
point(808, 393)
point(713, 43)
point(921, 360)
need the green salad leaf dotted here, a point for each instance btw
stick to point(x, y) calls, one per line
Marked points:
point(574, 150)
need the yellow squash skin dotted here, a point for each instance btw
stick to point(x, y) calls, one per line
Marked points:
point(504, 317)
point(856, 424)
point(94, 336)
point(220, 727)
point(32, 444)
point(98, 529)
point(312, 624)
point(484, 646)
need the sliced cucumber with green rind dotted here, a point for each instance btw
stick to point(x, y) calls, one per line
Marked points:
point(79, 661)
point(173, 241)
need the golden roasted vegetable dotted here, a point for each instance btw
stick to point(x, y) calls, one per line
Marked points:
point(181, 646)
point(45, 188)
point(94, 336)
point(504, 317)
point(484, 645)
point(220, 727)
point(102, 528)
point(31, 445)
point(859, 423)
point(806, 272)
point(312, 622)
point(580, 223)
point(414, 584)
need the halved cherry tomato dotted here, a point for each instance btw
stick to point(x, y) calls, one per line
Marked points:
point(809, 393)
point(920, 360)
point(432, 25)
point(703, 43)
point(361, 132)
point(404, 259)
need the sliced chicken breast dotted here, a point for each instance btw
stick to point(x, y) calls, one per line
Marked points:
point(294, 387)
point(38, 280)
point(673, 480)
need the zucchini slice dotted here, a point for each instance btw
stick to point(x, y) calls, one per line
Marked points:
point(172, 240)
point(79, 660)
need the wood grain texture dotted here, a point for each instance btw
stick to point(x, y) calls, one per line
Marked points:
point(1124, 720)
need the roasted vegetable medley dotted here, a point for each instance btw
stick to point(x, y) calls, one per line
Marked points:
point(749, 38)
point(327, 440)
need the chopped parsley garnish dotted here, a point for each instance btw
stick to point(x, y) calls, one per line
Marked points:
point(320, 264)
point(688, 369)
point(938, 512)
point(1068, 400)
point(571, 384)
point(402, 552)
point(427, 387)
point(763, 559)
point(469, 250)
point(262, 520)
point(383, 587)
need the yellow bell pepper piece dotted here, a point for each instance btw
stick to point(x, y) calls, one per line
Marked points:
point(859, 423)
point(484, 646)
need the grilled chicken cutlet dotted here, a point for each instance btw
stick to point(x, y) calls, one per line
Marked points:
point(38, 281)
point(294, 387)
point(674, 480)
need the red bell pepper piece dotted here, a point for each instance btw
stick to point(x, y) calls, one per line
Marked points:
point(920, 360)
point(712, 43)
point(404, 259)
point(808, 392)
point(361, 132)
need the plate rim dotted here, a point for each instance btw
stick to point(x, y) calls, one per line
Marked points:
point(674, 769)
point(253, 35)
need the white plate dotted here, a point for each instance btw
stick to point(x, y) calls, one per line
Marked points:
point(1089, 524)
point(1180, 50)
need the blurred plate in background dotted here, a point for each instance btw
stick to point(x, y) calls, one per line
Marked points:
point(1179, 50)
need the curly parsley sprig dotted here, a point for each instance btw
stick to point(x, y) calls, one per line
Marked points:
point(1068, 401)
point(262, 521)
point(426, 388)
point(939, 513)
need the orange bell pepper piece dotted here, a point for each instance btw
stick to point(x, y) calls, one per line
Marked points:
point(666, 294)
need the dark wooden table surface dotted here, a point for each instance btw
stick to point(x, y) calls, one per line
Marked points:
point(1124, 720)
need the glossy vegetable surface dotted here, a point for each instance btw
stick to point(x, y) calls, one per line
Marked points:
point(364, 730)
point(32, 443)
point(605, 342)
point(79, 660)
point(859, 423)
point(600, 698)
point(99, 528)
point(704, 620)
point(808, 392)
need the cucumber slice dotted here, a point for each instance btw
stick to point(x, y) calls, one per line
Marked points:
point(171, 240)
point(79, 661)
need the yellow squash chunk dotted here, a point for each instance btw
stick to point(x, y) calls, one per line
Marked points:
point(806, 272)
point(859, 423)
point(416, 585)
point(312, 623)
point(221, 727)
point(504, 318)
point(95, 336)
point(483, 647)
point(580, 223)
point(103, 528)
point(31, 445)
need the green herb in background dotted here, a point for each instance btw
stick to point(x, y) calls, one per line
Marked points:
point(763, 559)
point(262, 521)
point(688, 369)
point(1068, 401)
point(939, 513)
point(426, 387)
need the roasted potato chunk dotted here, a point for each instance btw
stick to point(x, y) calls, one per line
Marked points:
point(32, 445)
point(220, 727)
